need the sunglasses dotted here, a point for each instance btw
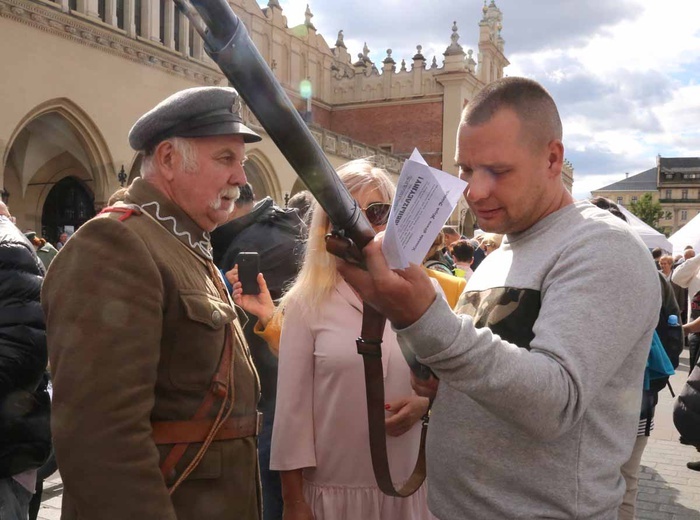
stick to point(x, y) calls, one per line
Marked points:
point(377, 213)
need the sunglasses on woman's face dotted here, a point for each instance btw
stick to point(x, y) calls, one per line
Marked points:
point(377, 213)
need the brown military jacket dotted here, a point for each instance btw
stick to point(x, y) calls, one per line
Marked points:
point(135, 329)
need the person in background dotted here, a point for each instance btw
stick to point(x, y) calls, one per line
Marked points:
point(479, 254)
point(463, 253)
point(656, 254)
point(244, 203)
point(276, 234)
point(62, 239)
point(45, 251)
point(666, 266)
point(435, 259)
point(320, 438)
point(650, 395)
point(686, 413)
point(687, 276)
point(302, 202)
point(25, 435)
point(490, 242)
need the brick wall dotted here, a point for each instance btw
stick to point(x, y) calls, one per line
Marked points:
point(404, 126)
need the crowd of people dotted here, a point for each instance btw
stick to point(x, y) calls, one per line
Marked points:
point(177, 395)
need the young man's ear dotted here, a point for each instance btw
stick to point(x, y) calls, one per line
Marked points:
point(164, 156)
point(555, 157)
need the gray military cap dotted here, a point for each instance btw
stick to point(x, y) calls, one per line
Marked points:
point(195, 112)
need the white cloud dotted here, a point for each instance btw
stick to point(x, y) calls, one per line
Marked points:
point(625, 74)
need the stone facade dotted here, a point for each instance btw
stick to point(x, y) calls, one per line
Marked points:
point(78, 73)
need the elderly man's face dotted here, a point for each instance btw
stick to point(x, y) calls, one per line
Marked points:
point(63, 238)
point(208, 194)
point(511, 182)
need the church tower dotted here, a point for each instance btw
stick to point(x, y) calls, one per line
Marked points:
point(491, 58)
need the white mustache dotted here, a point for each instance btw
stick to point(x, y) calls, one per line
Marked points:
point(231, 193)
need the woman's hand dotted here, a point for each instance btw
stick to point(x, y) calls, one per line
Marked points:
point(259, 305)
point(407, 412)
point(297, 510)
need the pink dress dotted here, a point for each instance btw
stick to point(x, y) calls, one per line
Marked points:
point(321, 415)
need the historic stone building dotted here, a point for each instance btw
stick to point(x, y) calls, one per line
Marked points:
point(674, 183)
point(78, 73)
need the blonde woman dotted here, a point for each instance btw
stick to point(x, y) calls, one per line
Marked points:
point(320, 438)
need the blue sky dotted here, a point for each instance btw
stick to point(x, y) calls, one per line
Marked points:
point(625, 74)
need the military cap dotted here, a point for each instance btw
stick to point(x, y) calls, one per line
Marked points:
point(195, 112)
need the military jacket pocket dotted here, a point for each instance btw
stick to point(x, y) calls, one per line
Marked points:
point(199, 341)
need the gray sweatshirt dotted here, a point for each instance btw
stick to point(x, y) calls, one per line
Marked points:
point(541, 372)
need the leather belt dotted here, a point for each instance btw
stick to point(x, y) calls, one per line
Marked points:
point(196, 430)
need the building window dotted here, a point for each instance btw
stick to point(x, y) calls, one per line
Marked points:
point(634, 199)
point(684, 194)
point(684, 214)
point(619, 200)
point(73, 4)
point(101, 9)
point(689, 176)
point(120, 14)
point(137, 16)
point(669, 194)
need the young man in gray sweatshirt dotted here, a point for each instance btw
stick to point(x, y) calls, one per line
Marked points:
point(541, 368)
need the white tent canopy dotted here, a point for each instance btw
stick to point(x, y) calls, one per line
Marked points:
point(688, 235)
point(648, 234)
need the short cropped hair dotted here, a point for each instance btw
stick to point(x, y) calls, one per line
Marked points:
point(529, 100)
point(463, 251)
point(608, 205)
point(246, 195)
point(449, 230)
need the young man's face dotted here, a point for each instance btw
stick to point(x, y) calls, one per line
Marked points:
point(510, 178)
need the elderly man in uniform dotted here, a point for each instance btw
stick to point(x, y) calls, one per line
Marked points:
point(155, 393)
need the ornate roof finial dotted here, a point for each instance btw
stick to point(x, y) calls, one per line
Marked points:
point(340, 41)
point(403, 65)
point(419, 53)
point(307, 18)
point(434, 65)
point(274, 3)
point(388, 58)
point(455, 48)
point(365, 52)
point(471, 64)
point(485, 9)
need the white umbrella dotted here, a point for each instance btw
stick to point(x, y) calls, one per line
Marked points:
point(688, 235)
point(648, 234)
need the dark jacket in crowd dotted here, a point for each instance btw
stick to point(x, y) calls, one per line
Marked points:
point(686, 413)
point(25, 436)
point(274, 233)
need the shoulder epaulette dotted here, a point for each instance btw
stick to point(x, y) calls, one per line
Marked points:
point(128, 210)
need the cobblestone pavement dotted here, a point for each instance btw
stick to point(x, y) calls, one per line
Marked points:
point(667, 489)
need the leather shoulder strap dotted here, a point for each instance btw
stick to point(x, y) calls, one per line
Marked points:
point(369, 345)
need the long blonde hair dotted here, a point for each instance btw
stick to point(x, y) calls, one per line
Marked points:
point(318, 275)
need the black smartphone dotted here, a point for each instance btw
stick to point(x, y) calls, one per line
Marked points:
point(248, 269)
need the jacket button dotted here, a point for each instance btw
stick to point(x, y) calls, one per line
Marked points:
point(216, 317)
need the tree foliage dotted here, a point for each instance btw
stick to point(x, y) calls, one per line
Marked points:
point(648, 211)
